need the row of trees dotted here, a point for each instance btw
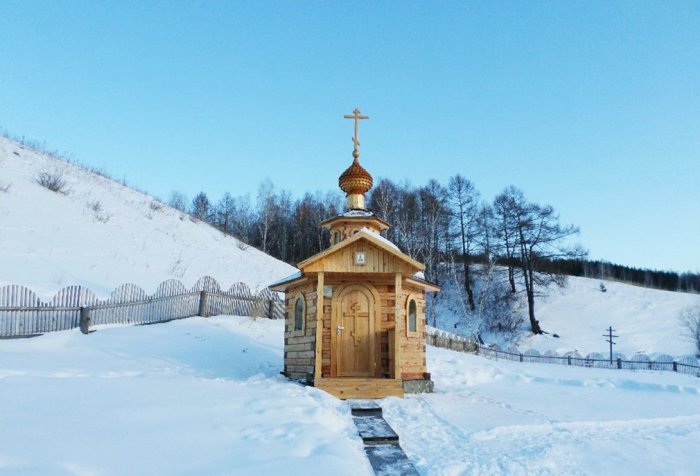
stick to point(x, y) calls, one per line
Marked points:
point(273, 221)
point(667, 280)
point(485, 254)
point(449, 228)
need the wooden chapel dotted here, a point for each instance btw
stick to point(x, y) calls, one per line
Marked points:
point(355, 312)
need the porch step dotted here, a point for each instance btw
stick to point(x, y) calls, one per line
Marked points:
point(345, 388)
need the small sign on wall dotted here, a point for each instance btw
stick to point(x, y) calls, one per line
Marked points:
point(360, 258)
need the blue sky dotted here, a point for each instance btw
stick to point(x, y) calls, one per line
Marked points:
point(590, 106)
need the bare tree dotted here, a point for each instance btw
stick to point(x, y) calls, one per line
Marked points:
point(433, 226)
point(406, 224)
point(690, 321)
point(504, 210)
point(383, 200)
point(539, 237)
point(201, 207)
point(244, 220)
point(266, 212)
point(464, 201)
point(225, 213)
point(178, 201)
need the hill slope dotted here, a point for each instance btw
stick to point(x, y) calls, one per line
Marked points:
point(646, 320)
point(101, 234)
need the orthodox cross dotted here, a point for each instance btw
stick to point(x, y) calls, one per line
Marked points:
point(356, 139)
point(355, 333)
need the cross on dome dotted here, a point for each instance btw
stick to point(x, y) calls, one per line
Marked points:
point(356, 115)
point(355, 181)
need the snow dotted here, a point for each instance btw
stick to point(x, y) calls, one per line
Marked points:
point(500, 417)
point(204, 396)
point(367, 232)
point(357, 213)
point(646, 320)
point(51, 240)
point(194, 396)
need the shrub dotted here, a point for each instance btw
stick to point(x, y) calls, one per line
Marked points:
point(98, 211)
point(53, 181)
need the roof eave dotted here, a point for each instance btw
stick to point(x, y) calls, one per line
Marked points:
point(427, 285)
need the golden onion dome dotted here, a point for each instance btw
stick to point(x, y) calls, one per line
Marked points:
point(355, 179)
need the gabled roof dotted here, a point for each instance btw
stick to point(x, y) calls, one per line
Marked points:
point(374, 239)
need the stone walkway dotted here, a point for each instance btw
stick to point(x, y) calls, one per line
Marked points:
point(381, 442)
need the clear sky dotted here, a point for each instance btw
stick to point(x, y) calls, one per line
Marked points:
point(590, 106)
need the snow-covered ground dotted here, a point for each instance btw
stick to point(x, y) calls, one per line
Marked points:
point(204, 396)
point(101, 234)
point(189, 397)
point(646, 320)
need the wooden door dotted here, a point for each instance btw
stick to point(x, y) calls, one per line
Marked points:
point(354, 333)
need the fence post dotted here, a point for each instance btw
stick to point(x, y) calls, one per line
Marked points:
point(675, 366)
point(619, 362)
point(203, 304)
point(568, 360)
point(85, 320)
point(271, 309)
point(521, 357)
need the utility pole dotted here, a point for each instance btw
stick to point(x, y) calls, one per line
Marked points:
point(609, 339)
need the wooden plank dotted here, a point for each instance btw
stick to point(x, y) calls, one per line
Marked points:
point(318, 365)
point(391, 341)
point(398, 319)
point(361, 388)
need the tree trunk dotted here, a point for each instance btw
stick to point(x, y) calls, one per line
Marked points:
point(465, 262)
point(467, 284)
point(511, 278)
point(530, 291)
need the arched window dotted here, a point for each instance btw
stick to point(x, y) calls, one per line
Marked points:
point(299, 314)
point(336, 237)
point(412, 316)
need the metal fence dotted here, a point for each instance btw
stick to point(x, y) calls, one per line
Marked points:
point(686, 365)
point(22, 313)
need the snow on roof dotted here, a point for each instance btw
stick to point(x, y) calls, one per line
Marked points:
point(419, 275)
point(367, 231)
point(357, 213)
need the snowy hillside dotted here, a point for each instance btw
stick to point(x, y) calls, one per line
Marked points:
point(204, 396)
point(101, 234)
point(646, 320)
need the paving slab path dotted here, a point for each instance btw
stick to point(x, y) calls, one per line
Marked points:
point(381, 442)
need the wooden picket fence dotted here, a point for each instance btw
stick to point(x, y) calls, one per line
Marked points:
point(689, 365)
point(22, 313)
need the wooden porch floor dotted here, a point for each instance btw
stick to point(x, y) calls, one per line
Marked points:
point(345, 388)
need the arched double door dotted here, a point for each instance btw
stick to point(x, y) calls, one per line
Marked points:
point(353, 350)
